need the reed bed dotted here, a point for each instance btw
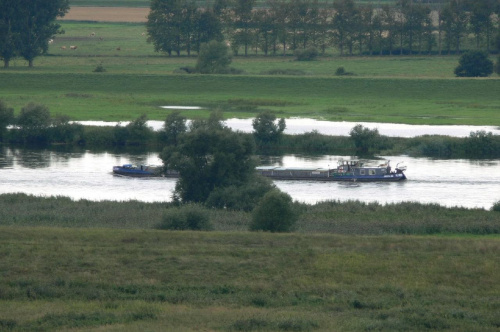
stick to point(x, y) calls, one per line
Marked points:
point(351, 218)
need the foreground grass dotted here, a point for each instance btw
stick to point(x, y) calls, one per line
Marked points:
point(103, 279)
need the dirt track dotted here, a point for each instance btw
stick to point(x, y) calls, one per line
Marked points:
point(107, 14)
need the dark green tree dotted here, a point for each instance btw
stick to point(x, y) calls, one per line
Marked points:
point(164, 25)
point(365, 139)
point(33, 122)
point(274, 213)
point(209, 156)
point(34, 24)
point(266, 130)
point(6, 118)
point(173, 128)
point(346, 23)
point(242, 24)
point(213, 58)
point(7, 31)
point(474, 64)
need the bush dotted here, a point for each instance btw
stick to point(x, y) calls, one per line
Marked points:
point(341, 72)
point(496, 207)
point(99, 68)
point(187, 217)
point(497, 66)
point(213, 58)
point(274, 213)
point(244, 197)
point(308, 54)
point(474, 64)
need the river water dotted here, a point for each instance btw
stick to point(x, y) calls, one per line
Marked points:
point(87, 175)
point(300, 126)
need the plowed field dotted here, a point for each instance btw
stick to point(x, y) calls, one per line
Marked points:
point(107, 14)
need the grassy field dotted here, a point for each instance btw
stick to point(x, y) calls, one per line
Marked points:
point(101, 279)
point(418, 90)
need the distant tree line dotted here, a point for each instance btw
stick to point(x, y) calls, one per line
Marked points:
point(26, 26)
point(404, 27)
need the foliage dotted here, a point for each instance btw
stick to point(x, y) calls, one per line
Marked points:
point(99, 68)
point(274, 213)
point(266, 130)
point(474, 64)
point(186, 217)
point(173, 128)
point(497, 66)
point(214, 58)
point(496, 207)
point(342, 72)
point(308, 54)
point(63, 131)
point(135, 133)
point(244, 197)
point(26, 27)
point(365, 139)
point(33, 123)
point(6, 118)
point(209, 156)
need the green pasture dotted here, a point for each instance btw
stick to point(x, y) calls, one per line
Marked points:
point(115, 97)
point(136, 280)
point(137, 80)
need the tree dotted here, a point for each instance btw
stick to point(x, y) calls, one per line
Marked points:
point(34, 24)
point(497, 66)
point(274, 213)
point(33, 122)
point(6, 118)
point(345, 22)
point(7, 34)
point(164, 25)
point(213, 58)
point(266, 130)
point(209, 156)
point(365, 139)
point(173, 128)
point(474, 64)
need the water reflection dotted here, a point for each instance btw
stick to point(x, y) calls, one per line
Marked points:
point(81, 174)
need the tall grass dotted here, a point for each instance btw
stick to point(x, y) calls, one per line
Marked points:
point(56, 278)
point(353, 217)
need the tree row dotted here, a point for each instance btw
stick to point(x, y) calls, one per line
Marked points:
point(405, 27)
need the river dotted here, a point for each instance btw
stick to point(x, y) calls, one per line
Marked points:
point(300, 126)
point(87, 175)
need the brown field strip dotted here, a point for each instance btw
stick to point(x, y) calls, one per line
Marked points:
point(107, 14)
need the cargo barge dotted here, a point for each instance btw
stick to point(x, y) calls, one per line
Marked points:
point(347, 170)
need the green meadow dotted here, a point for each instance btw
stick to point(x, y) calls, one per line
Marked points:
point(103, 266)
point(70, 279)
point(413, 90)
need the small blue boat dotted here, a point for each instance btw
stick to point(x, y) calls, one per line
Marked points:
point(137, 171)
point(347, 170)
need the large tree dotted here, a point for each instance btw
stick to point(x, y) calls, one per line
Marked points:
point(37, 25)
point(27, 25)
point(209, 156)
